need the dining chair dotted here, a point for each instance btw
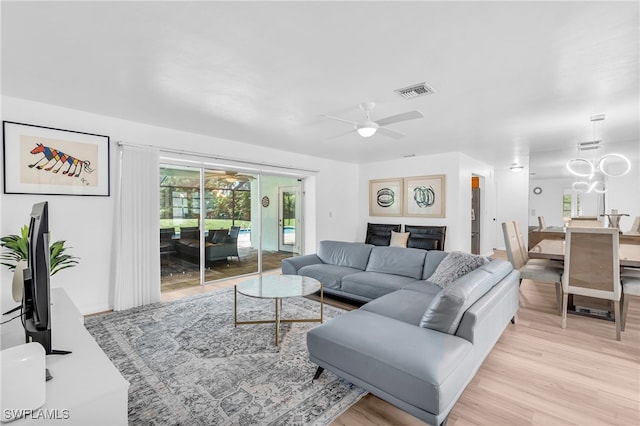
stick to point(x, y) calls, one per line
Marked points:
point(635, 228)
point(525, 251)
point(541, 222)
point(585, 222)
point(630, 290)
point(536, 270)
point(592, 268)
point(629, 271)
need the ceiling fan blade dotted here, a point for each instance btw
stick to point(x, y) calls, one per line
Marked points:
point(340, 119)
point(389, 132)
point(411, 115)
point(341, 134)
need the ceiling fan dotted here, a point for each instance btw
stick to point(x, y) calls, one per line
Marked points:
point(231, 176)
point(368, 127)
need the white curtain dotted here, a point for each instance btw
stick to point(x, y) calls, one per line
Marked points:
point(137, 224)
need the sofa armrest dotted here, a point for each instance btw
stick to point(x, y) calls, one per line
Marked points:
point(291, 265)
point(483, 323)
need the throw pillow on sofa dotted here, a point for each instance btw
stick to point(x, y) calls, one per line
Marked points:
point(399, 239)
point(448, 306)
point(455, 265)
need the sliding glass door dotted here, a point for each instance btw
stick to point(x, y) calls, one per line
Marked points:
point(228, 221)
point(216, 224)
point(180, 232)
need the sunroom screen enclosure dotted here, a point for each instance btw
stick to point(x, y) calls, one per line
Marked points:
point(209, 226)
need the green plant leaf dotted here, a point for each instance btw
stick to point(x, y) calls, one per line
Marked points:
point(16, 248)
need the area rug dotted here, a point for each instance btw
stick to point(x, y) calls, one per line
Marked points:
point(188, 365)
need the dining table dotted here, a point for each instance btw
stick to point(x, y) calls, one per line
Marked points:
point(554, 250)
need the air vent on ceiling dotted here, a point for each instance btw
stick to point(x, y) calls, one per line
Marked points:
point(416, 90)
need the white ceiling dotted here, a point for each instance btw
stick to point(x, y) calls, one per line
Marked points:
point(510, 77)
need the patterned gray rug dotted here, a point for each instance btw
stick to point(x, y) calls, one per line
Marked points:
point(188, 365)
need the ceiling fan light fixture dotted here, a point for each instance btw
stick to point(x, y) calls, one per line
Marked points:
point(367, 129)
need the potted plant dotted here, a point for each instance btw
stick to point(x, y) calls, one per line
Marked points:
point(16, 253)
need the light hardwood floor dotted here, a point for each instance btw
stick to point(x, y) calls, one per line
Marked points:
point(537, 374)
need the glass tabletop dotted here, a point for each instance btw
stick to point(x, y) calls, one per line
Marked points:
point(278, 286)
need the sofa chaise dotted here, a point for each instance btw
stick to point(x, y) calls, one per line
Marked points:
point(418, 345)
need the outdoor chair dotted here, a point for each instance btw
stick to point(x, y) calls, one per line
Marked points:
point(232, 241)
point(167, 243)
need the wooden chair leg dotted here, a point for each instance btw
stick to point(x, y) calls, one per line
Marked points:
point(616, 308)
point(565, 301)
point(625, 309)
point(559, 297)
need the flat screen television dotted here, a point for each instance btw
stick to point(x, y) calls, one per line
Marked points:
point(36, 310)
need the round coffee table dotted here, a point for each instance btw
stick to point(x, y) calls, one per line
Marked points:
point(277, 287)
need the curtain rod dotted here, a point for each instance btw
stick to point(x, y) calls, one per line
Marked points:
point(217, 157)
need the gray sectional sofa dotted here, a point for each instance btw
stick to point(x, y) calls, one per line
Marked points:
point(415, 345)
point(363, 272)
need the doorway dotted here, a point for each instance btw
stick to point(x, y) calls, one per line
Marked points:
point(475, 215)
point(289, 219)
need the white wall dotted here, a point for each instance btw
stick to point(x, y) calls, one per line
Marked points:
point(87, 222)
point(270, 225)
point(458, 169)
point(512, 201)
point(548, 203)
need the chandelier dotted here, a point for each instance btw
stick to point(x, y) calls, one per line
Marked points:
point(596, 170)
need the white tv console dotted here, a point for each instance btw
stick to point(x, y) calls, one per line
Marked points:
point(85, 383)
